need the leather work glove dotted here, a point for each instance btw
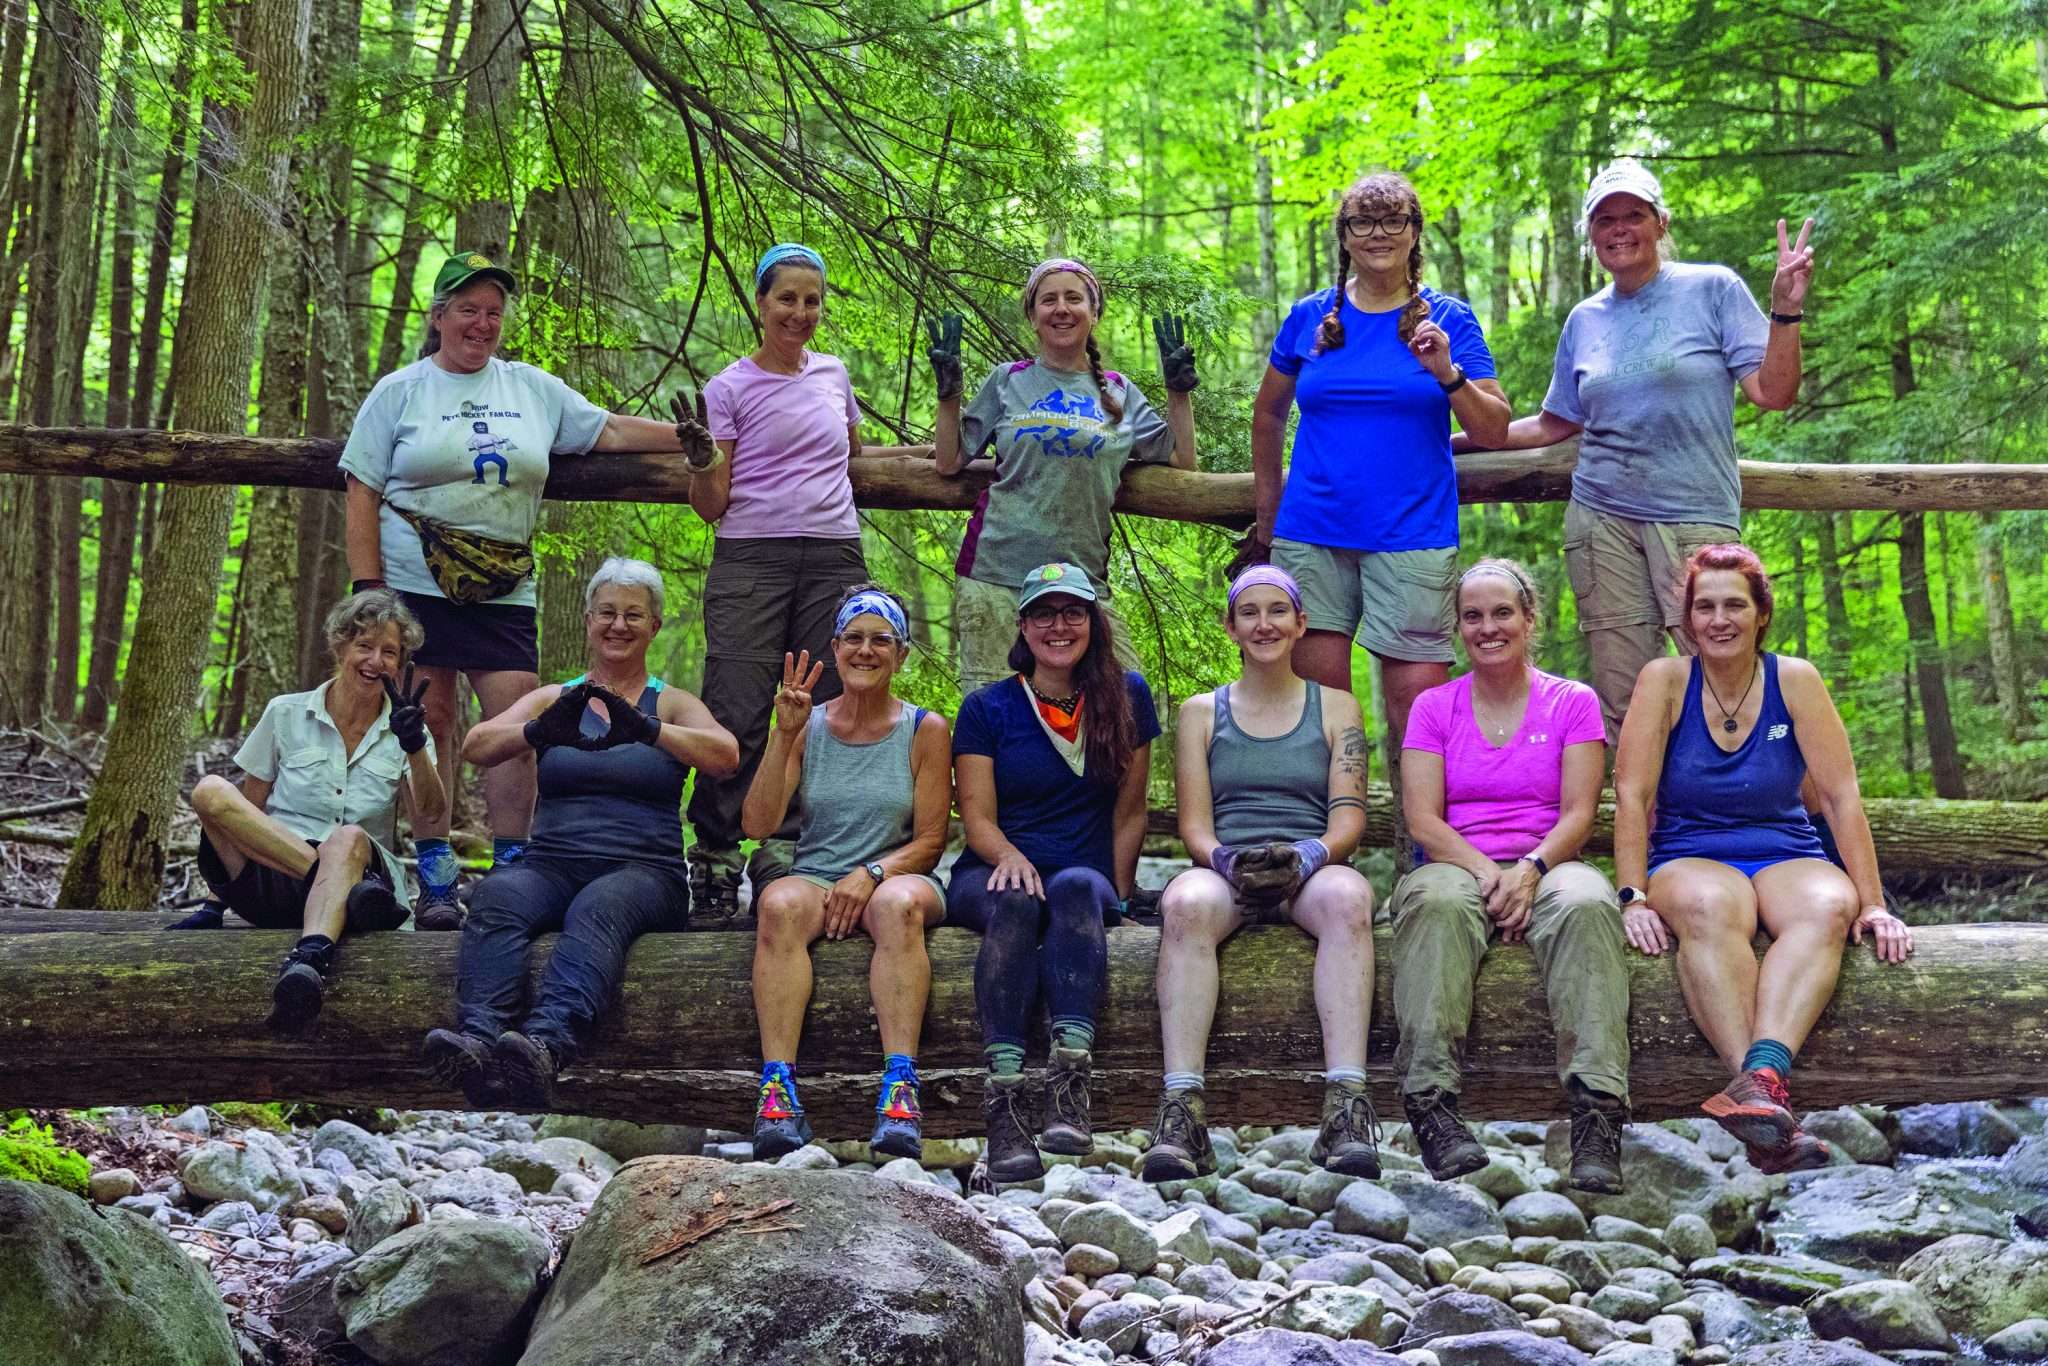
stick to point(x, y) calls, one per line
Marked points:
point(944, 335)
point(1176, 357)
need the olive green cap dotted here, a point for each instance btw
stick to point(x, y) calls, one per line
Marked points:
point(459, 269)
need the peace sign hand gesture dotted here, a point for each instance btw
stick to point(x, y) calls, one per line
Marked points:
point(944, 335)
point(1795, 270)
point(793, 698)
point(693, 429)
point(1176, 357)
point(408, 711)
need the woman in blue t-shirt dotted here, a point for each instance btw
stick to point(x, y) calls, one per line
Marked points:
point(1052, 845)
point(1368, 520)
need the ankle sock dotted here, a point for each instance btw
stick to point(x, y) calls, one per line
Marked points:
point(507, 851)
point(781, 1074)
point(1768, 1053)
point(438, 868)
point(1344, 1076)
point(1071, 1032)
point(1183, 1081)
point(1004, 1059)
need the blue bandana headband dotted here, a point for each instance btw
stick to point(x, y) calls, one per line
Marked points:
point(1271, 577)
point(881, 605)
point(787, 251)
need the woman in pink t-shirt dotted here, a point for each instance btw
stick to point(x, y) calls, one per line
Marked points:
point(1500, 778)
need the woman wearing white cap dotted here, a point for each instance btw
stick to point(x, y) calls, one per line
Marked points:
point(1645, 376)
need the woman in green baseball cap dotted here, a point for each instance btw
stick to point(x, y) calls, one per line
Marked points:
point(445, 467)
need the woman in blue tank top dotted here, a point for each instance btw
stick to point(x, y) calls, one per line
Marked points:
point(1719, 746)
point(874, 777)
point(605, 864)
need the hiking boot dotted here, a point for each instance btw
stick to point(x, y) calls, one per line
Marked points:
point(301, 985)
point(207, 916)
point(1349, 1141)
point(1067, 1129)
point(714, 885)
point(1448, 1147)
point(1597, 1122)
point(780, 1125)
point(1180, 1148)
point(1011, 1155)
point(1756, 1108)
point(896, 1123)
point(1801, 1153)
point(464, 1062)
point(526, 1069)
point(372, 905)
point(436, 910)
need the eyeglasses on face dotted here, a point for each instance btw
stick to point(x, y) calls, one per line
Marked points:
point(1072, 614)
point(1363, 226)
point(605, 616)
point(881, 640)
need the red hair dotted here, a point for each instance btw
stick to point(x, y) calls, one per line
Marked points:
point(1740, 559)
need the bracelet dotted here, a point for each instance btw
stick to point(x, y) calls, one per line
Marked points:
point(1542, 868)
point(1787, 319)
point(1455, 385)
point(365, 585)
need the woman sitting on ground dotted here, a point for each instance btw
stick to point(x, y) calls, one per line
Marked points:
point(1500, 781)
point(1719, 745)
point(1270, 783)
point(873, 776)
point(1050, 765)
point(606, 861)
point(307, 840)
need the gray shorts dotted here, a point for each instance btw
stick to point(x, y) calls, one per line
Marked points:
point(1399, 604)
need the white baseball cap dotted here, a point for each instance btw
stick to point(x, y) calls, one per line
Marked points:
point(1623, 176)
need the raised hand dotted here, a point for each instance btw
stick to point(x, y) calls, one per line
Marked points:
point(629, 724)
point(944, 354)
point(1428, 344)
point(793, 698)
point(408, 711)
point(693, 429)
point(1176, 357)
point(1795, 270)
point(561, 722)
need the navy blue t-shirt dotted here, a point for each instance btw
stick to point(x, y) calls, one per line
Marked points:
point(1056, 818)
point(1372, 467)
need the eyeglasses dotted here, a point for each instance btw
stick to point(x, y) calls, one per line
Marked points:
point(605, 616)
point(1391, 225)
point(1073, 614)
point(881, 640)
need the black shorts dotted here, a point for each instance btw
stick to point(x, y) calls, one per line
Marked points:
point(266, 898)
point(484, 636)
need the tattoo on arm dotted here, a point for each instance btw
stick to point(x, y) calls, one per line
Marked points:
point(1353, 753)
point(1339, 803)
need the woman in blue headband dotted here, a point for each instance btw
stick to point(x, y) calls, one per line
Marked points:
point(783, 425)
point(872, 778)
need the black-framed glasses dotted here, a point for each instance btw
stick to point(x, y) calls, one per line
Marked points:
point(1070, 614)
point(1363, 226)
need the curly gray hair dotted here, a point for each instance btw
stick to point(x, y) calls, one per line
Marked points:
point(371, 610)
point(626, 573)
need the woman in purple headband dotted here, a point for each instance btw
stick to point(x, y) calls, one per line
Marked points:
point(1270, 775)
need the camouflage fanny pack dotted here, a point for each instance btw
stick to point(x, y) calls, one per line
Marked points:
point(470, 567)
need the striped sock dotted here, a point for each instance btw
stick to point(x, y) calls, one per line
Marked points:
point(1070, 1032)
point(438, 868)
point(1004, 1059)
point(1344, 1076)
point(1183, 1081)
point(1768, 1053)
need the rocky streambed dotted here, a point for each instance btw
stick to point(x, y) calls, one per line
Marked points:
point(448, 1238)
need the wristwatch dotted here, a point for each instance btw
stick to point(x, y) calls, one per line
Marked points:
point(1787, 319)
point(875, 871)
point(1542, 868)
point(1628, 896)
point(1456, 382)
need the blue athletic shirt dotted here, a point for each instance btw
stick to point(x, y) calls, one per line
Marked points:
point(1056, 818)
point(1716, 805)
point(1372, 468)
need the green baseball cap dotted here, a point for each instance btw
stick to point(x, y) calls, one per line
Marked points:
point(1070, 579)
point(459, 269)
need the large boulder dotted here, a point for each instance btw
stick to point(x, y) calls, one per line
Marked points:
point(1506, 1349)
point(624, 1140)
point(1284, 1347)
point(258, 1169)
point(104, 1287)
point(455, 1292)
point(1886, 1315)
point(380, 1212)
point(1457, 1314)
point(304, 1305)
point(1971, 1128)
point(1785, 1279)
point(1877, 1216)
point(1112, 1226)
point(1667, 1175)
point(1980, 1285)
point(1442, 1212)
point(866, 1271)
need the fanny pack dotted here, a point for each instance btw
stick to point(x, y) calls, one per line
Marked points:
point(470, 567)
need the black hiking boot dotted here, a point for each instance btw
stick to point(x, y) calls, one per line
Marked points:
point(301, 985)
point(1180, 1148)
point(1067, 1128)
point(465, 1062)
point(526, 1068)
point(437, 911)
point(372, 905)
point(1597, 1121)
point(1448, 1148)
point(1349, 1141)
point(1011, 1155)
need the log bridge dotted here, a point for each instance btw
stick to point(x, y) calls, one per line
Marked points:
point(98, 1008)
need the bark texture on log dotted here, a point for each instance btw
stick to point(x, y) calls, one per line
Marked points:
point(173, 1017)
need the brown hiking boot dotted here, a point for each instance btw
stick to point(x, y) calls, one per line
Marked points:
point(1597, 1122)
point(1349, 1141)
point(1756, 1108)
point(1180, 1148)
point(1005, 1113)
point(1801, 1153)
point(1449, 1149)
point(1067, 1129)
point(526, 1069)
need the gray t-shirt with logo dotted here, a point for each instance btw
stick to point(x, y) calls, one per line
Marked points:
point(1650, 377)
point(1058, 462)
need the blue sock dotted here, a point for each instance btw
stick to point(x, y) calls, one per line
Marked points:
point(507, 851)
point(1349, 1076)
point(1768, 1053)
point(1069, 1032)
point(1183, 1081)
point(781, 1073)
point(438, 868)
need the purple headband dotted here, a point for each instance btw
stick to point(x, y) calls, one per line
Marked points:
point(1270, 576)
point(1045, 268)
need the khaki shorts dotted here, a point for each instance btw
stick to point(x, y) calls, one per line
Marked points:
point(985, 627)
point(1399, 604)
point(1630, 573)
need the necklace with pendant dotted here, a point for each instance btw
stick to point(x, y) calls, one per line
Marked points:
point(1728, 717)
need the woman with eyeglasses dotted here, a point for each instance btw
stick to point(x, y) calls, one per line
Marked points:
point(1368, 521)
point(872, 776)
point(1050, 765)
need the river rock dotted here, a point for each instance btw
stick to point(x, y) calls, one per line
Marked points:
point(1441, 1213)
point(1668, 1175)
point(1980, 1285)
point(1333, 1311)
point(1543, 1214)
point(447, 1293)
point(380, 1212)
point(101, 1287)
point(1971, 1128)
point(1088, 1186)
point(1457, 1314)
point(883, 1270)
point(366, 1152)
point(112, 1185)
point(304, 1305)
point(1113, 1227)
point(1876, 1217)
point(479, 1190)
point(1086, 1259)
point(1806, 1354)
point(1583, 1328)
point(623, 1141)
point(1372, 1211)
point(1689, 1237)
point(1185, 1235)
point(1785, 1279)
point(1622, 1302)
point(1849, 1133)
point(1886, 1315)
point(1285, 1347)
point(2026, 1164)
point(261, 1171)
point(2026, 1340)
point(1506, 1349)
point(1118, 1324)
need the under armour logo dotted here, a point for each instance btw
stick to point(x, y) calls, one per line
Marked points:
point(1541, 737)
point(1777, 732)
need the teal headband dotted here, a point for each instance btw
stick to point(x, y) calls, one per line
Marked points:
point(787, 251)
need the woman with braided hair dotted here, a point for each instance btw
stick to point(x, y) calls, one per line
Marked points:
point(1062, 429)
point(1378, 362)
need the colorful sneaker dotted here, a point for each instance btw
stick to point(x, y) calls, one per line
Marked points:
point(301, 986)
point(1756, 1108)
point(1011, 1155)
point(1067, 1127)
point(465, 1062)
point(1449, 1149)
point(526, 1068)
point(1597, 1122)
point(780, 1126)
point(897, 1118)
point(1349, 1141)
point(1801, 1153)
point(1180, 1148)
point(437, 910)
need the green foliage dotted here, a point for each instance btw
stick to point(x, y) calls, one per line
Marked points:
point(28, 1152)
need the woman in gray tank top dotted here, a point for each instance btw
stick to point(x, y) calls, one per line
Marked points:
point(873, 777)
point(1270, 776)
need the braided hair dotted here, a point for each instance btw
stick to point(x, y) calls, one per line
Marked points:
point(1378, 195)
point(1110, 404)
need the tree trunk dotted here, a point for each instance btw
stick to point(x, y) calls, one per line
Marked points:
point(268, 661)
point(1450, 268)
point(2005, 662)
point(164, 222)
point(1262, 184)
point(490, 119)
point(1834, 602)
point(1943, 758)
point(399, 321)
point(119, 860)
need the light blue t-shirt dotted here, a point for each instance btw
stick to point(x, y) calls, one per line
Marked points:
point(1650, 377)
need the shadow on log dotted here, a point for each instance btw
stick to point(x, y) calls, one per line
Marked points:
point(102, 1016)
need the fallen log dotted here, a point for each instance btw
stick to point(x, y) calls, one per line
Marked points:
point(109, 1016)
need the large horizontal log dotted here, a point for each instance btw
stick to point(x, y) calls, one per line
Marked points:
point(100, 1017)
point(903, 477)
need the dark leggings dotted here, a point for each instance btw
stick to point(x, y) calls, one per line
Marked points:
point(600, 905)
point(1031, 948)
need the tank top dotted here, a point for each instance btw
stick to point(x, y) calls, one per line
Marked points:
point(857, 798)
point(622, 803)
point(1264, 788)
point(1716, 805)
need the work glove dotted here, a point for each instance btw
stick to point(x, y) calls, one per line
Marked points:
point(408, 711)
point(944, 354)
point(1176, 357)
